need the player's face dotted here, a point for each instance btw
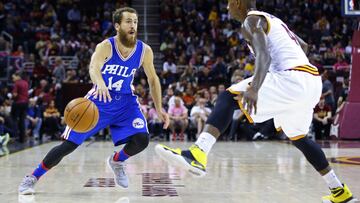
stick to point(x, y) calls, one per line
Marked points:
point(127, 29)
point(234, 9)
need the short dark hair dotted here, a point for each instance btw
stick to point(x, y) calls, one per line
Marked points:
point(118, 13)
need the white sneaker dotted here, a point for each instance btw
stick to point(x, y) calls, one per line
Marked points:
point(118, 168)
point(26, 187)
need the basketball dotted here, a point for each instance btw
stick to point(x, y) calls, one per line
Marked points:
point(81, 115)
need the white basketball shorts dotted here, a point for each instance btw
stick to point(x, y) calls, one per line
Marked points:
point(288, 97)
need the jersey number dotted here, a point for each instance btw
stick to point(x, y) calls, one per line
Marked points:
point(117, 85)
point(291, 34)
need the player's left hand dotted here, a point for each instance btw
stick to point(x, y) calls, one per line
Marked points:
point(250, 97)
point(165, 118)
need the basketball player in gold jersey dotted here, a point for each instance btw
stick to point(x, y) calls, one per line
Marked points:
point(285, 87)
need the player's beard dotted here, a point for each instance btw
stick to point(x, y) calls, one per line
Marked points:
point(126, 39)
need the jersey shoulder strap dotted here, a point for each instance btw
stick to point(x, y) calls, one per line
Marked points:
point(265, 15)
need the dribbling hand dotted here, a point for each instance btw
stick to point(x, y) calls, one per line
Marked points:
point(103, 92)
point(165, 118)
point(248, 99)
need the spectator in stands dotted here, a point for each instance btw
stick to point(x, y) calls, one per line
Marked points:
point(212, 90)
point(213, 16)
point(19, 52)
point(178, 114)
point(71, 77)
point(341, 64)
point(249, 67)
point(348, 48)
point(74, 14)
point(322, 25)
point(173, 96)
point(329, 57)
point(33, 119)
point(236, 76)
point(234, 40)
point(59, 70)
point(52, 121)
point(189, 75)
point(219, 70)
point(199, 114)
point(188, 98)
point(207, 96)
point(328, 91)
point(169, 73)
point(322, 120)
point(221, 88)
point(213, 100)
point(39, 91)
point(205, 78)
point(20, 103)
point(339, 50)
point(41, 70)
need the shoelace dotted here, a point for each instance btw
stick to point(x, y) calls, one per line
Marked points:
point(28, 181)
point(120, 168)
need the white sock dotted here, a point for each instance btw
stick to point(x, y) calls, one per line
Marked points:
point(332, 180)
point(205, 141)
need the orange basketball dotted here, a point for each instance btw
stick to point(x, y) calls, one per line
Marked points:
point(81, 115)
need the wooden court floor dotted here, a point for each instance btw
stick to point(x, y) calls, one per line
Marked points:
point(242, 172)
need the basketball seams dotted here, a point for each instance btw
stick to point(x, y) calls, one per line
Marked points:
point(90, 102)
point(93, 117)
point(69, 109)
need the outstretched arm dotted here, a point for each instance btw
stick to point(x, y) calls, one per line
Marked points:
point(154, 84)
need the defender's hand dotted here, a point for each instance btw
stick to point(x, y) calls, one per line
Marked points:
point(250, 97)
point(103, 92)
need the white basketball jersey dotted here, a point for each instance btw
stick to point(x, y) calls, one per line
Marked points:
point(284, 49)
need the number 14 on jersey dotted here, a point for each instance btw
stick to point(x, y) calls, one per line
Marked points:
point(116, 85)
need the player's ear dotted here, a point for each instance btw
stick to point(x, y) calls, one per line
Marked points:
point(117, 26)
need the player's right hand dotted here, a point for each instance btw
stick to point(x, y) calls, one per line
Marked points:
point(102, 92)
point(250, 97)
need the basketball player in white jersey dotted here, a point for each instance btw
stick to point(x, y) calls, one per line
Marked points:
point(285, 87)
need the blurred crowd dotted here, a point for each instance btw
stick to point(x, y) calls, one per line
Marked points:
point(202, 49)
point(43, 32)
